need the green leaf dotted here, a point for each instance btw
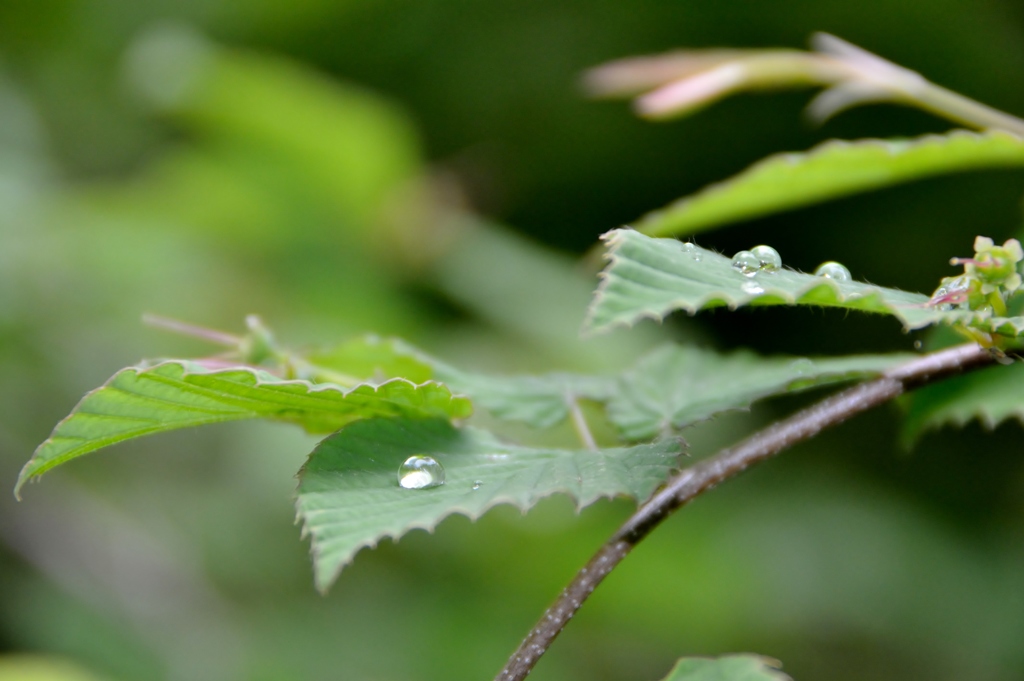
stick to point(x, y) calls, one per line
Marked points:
point(676, 386)
point(834, 169)
point(649, 277)
point(540, 401)
point(990, 395)
point(372, 358)
point(175, 394)
point(726, 668)
point(349, 496)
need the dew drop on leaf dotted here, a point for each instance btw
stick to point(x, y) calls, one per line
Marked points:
point(802, 366)
point(692, 251)
point(747, 263)
point(834, 271)
point(752, 288)
point(420, 472)
point(768, 258)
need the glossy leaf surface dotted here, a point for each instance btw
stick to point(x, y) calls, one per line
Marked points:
point(349, 496)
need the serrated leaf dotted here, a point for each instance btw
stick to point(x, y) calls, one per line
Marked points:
point(651, 277)
point(727, 668)
point(990, 395)
point(349, 496)
point(538, 400)
point(676, 386)
point(834, 169)
point(175, 394)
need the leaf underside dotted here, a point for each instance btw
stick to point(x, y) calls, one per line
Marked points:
point(649, 277)
point(831, 170)
point(668, 389)
point(349, 497)
point(176, 394)
point(676, 386)
point(541, 401)
point(727, 668)
point(991, 396)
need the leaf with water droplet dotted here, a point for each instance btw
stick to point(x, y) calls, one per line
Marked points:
point(691, 250)
point(768, 258)
point(420, 471)
point(648, 278)
point(833, 270)
point(348, 498)
point(746, 263)
point(727, 668)
point(176, 394)
point(676, 386)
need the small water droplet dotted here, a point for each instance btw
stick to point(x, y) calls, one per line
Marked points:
point(477, 484)
point(497, 457)
point(751, 287)
point(420, 472)
point(802, 366)
point(691, 250)
point(768, 257)
point(834, 271)
point(952, 295)
point(747, 263)
point(918, 345)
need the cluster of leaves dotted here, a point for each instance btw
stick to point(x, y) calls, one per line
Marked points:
point(403, 402)
point(382, 401)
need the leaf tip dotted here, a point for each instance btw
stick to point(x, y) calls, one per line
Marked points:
point(28, 473)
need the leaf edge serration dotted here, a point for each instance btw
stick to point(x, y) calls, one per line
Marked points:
point(34, 469)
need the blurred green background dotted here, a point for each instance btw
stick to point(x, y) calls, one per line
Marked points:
point(430, 169)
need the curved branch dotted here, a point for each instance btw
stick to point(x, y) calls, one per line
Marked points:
point(729, 462)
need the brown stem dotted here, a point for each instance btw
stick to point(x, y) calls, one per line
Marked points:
point(702, 476)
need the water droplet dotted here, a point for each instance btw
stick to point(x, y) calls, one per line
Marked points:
point(497, 457)
point(802, 366)
point(952, 295)
point(691, 250)
point(747, 263)
point(834, 271)
point(959, 284)
point(768, 257)
point(477, 484)
point(420, 472)
point(751, 287)
point(918, 345)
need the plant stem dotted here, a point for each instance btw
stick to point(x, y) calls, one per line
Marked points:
point(191, 330)
point(579, 422)
point(702, 476)
point(960, 109)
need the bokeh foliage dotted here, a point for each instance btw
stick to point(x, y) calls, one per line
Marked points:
point(313, 162)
